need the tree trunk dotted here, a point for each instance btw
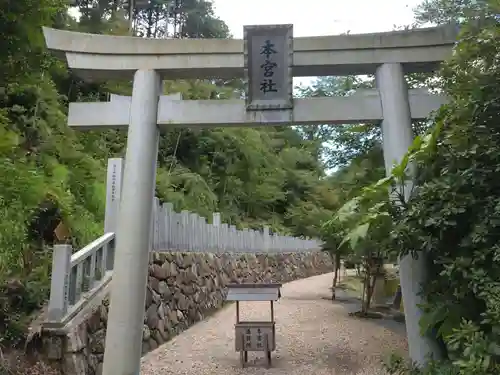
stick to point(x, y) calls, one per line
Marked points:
point(371, 286)
point(366, 286)
point(114, 9)
point(337, 262)
point(335, 275)
point(396, 304)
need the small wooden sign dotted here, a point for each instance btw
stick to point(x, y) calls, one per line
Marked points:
point(61, 232)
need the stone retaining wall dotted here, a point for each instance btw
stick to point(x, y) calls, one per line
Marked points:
point(183, 288)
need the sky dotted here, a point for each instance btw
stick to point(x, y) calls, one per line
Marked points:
point(317, 17)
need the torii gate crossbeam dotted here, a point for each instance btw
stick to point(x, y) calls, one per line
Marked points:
point(363, 107)
point(107, 57)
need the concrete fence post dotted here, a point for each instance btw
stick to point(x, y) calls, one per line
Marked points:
point(193, 233)
point(216, 218)
point(155, 212)
point(266, 241)
point(223, 237)
point(216, 229)
point(202, 230)
point(184, 231)
point(59, 283)
point(169, 224)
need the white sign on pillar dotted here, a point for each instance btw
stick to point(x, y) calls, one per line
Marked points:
point(113, 193)
point(268, 53)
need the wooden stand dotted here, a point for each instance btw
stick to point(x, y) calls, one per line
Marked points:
point(254, 336)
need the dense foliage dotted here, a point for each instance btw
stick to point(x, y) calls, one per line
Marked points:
point(451, 213)
point(273, 175)
point(49, 173)
point(453, 216)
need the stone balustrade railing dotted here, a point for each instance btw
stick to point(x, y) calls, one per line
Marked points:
point(187, 231)
point(77, 277)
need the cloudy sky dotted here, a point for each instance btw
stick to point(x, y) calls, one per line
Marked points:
point(317, 17)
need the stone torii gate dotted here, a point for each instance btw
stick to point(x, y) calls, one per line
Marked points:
point(268, 57)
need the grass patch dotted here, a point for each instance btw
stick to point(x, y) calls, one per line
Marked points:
point(351, 286)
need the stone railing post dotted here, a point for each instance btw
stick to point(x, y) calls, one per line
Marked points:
point(223, 237)
point(266, 241)
point(202, 230)
point(193, 234)
point(59, 283)
point(216, 219)
point(232, 238)
point(169, 225)
point(216, 231)
point(184, 229)
point(155, 234)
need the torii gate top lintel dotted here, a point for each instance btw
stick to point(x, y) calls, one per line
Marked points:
point(98, 57)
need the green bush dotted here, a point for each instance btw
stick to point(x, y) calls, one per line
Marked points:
point(41, 165)
point(454, 214)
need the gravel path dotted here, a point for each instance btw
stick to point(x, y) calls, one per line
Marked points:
point(314, 337)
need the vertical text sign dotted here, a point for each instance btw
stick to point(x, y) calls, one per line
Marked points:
point(113, 192)
point(268, 51)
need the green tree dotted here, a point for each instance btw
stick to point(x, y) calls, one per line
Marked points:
point(451, 214)
point(445, 11)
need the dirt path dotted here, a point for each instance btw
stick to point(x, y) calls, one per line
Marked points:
point(314, 337)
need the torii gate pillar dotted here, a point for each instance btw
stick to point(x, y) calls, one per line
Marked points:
point(125, 320)
point(397, 137)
